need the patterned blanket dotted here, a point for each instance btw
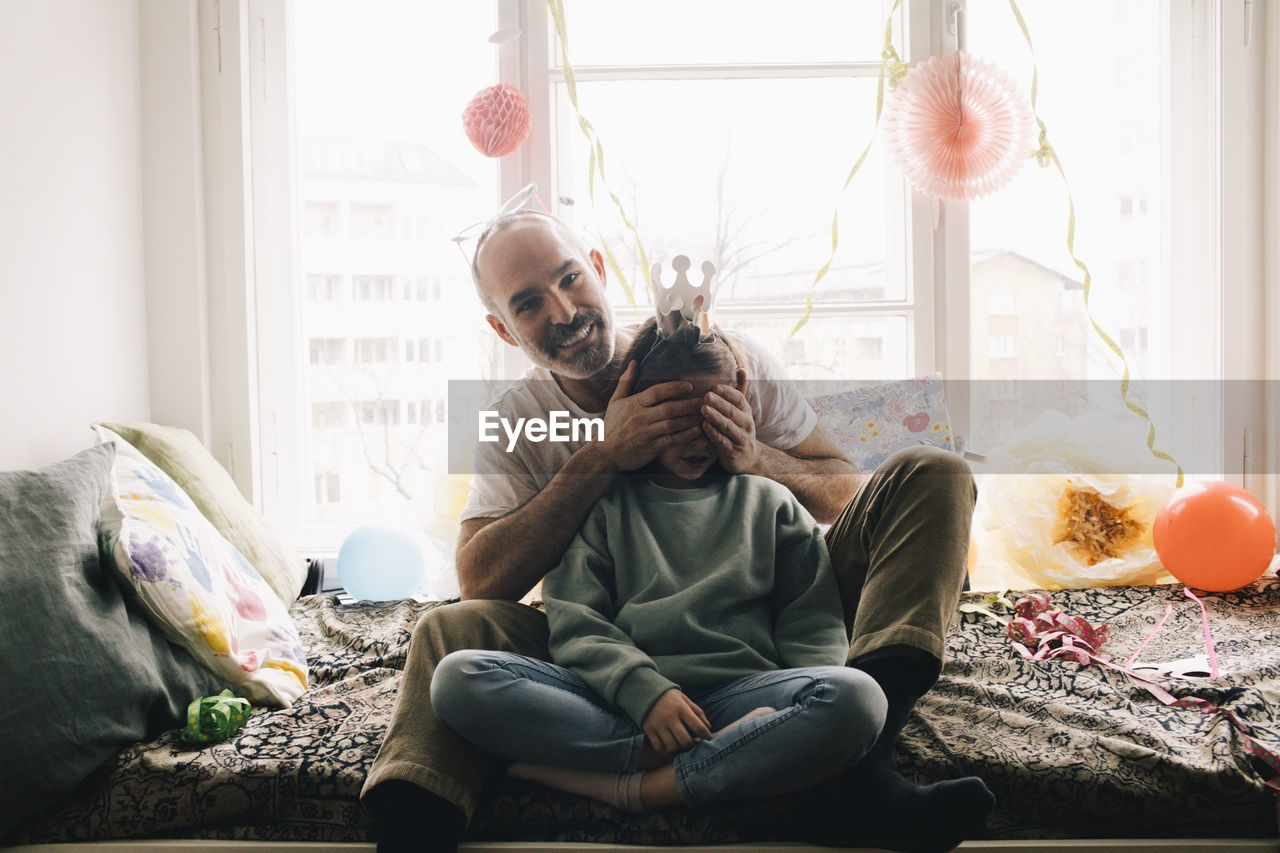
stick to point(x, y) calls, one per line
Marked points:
point(1069, 750)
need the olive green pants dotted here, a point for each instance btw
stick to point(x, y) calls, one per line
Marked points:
point(899, 550)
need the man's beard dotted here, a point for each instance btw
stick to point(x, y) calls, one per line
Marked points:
point(586, 362)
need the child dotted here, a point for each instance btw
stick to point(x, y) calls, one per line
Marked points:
point(696, 632)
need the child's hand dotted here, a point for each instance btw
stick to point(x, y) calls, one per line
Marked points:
point(731, 426)
point(675, 723)
point(638, 428)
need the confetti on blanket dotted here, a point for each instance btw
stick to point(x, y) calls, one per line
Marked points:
point(1070, 750)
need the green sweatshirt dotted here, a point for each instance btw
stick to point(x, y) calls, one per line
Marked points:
point(692, 589)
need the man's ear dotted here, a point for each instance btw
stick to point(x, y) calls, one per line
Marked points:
point(597, 261)
point(501, 329)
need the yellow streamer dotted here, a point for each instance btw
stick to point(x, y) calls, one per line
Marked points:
point(1046, 155)
point(892, 70)
point(596, 162)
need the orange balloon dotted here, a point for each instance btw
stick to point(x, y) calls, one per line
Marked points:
point(1214, 536)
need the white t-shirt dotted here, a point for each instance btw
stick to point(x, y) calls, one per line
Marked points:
point(503, 482)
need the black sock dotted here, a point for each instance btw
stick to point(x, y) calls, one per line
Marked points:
point(883, 804)
point(409, 818)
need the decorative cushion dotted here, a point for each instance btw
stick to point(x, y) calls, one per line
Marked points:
point(181, 455)
point(873, 422)
point(197, 588)
point(83, 672)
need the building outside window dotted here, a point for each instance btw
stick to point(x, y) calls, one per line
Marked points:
point(371, 288)
point(372, 221)
point(329, 415)
point(328, 351)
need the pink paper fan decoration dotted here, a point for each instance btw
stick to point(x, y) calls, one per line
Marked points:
point(958, 127)
point(497, 120)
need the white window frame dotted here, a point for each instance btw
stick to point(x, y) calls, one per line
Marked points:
point(526, 65)
point(241, 403)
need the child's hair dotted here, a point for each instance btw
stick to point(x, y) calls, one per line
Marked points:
point(686, 353)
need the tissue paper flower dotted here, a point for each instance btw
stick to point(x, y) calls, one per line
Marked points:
point(958, 127)
point(497, 120)
point(1065, 518)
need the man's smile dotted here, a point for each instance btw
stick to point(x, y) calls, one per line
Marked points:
point(578, 338)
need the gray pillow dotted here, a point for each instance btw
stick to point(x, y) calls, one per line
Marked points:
point(83, 672)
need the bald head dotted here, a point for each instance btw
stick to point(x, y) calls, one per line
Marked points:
point(503, 242)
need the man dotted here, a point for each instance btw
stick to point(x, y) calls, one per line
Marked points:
point(898, 543)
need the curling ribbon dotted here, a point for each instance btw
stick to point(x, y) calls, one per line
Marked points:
point(1046, 155)
point(214, 718)
point(1039, 632)
point(596, 163)
point(893, 69)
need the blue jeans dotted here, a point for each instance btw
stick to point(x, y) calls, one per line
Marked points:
point(524, 709)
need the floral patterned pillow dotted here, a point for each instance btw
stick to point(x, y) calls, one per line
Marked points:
point(873, 422)
point(194, 584)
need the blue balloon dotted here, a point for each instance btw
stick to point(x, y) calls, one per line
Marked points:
point(380, 563)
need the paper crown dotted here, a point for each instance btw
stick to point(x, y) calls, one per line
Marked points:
point(683, 301)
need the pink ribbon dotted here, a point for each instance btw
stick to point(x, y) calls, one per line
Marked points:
point(1041, 632)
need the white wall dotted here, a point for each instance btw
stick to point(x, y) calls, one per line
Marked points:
point(73, 333)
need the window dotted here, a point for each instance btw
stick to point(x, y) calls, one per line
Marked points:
point(1002, 303)
point(324, 288)
point(379, 412)
point(1134, 339)
point(328, 351)
point(1163, 170)
point(321, 219)
point(1132, 204)
point(328, 489)
point(372, 221)
point(1135, 131)
point(329, 415)
point(375, 350)
point(1003, 346)
point(868, 349)
point(371, 288)
point(417, 227)
point(711, 183)
point(1003, 390)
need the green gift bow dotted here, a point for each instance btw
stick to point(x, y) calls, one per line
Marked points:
point(214, 718)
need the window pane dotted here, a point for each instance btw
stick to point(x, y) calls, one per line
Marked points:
point(1105, 90)
point(750, 185)
point(844, 348)
point(388, 312)
point(666, 32)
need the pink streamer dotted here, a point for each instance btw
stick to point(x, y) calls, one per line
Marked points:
point(1208, 639)
point(1151, 636)
point(1042, 633)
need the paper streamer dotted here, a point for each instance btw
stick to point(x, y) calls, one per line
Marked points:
point(596, 162)
point(1039, 632)
point(1045, 156)
point(215, 718)
point(892, 70)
